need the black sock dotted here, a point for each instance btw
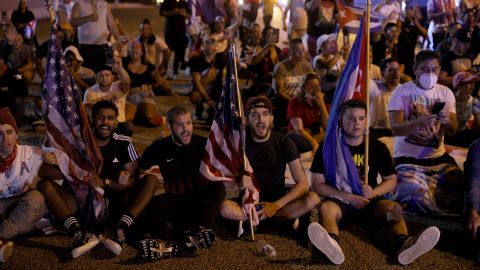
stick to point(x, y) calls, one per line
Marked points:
point(71, 224)
point(399, 240)
point(125, 221)
point(335, 237)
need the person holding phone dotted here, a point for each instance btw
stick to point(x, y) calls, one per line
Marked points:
point(425, 171)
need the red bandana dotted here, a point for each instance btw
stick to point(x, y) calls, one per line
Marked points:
point(6, 163)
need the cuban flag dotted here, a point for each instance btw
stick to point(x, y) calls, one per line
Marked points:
point(349, 18)
point(337, 160)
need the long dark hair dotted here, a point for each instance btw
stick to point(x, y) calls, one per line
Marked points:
point(19, 8)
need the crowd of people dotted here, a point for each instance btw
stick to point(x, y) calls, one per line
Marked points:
point(421, 100)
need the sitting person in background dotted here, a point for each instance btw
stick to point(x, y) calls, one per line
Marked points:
point(84, 77)
point(329, 63)
point(380, 92)
point(107, 89)
point(141, 107)
point(265, 57)
point(307, 114)
point(19, 57)
point(21, 206)
point(42, 51)
point(467, 108)
point(12, 91)
point(157, 52)
point(206, 70)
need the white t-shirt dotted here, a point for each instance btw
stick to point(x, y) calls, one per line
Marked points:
point(93, 33)
point(153, 52)
point(115, 94)
point(18, 178)
point(379, 98)
point(423, 143)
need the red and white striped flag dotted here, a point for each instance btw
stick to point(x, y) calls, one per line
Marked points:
point(224, 157)
point(69, 135)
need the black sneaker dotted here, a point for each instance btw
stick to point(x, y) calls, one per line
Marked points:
point(83, 243)
point(157, 249)
point(202, 239)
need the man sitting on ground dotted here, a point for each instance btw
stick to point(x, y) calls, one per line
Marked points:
point(189, 205)
point(269, 152)
point(343, 202)
point(127, 194)
point(20, 205)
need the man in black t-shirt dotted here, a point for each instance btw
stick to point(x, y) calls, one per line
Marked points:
point(189, 205)
point(457, 58)
point(341, 202)
point(127, 195)
point(269, 152)
point(206, 70)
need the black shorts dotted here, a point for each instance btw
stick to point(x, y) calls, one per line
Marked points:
point(350, 213)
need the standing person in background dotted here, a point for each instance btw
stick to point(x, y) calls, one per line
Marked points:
point(297, 26)
point(176, 12)
point(442, 13)
point(94, 22)
point(155, 47)
point(22, 18)
point(321, 21)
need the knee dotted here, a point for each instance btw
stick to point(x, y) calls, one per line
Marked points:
point(228, 209)
point(311, 200)
point(34, 200)
point(44, 186)
point(328, 209)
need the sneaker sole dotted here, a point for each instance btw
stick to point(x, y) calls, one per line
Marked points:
point(150, 249)
point(202, 240)
point(79, 251)
point(321, 240)
point(425, 242)
point(6, 251)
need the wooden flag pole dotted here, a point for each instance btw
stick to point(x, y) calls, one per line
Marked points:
point(49, 5)
point(242, 133)
point(367, 92)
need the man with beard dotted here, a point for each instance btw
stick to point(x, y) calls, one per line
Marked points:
point(127, 195)
point(380, 92)
point(189, 205)
point(269, 152)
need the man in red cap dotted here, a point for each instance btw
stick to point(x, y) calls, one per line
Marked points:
point(18, 175)
point(269, 152)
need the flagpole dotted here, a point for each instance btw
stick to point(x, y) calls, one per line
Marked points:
point(242, 133)
point(51, 13)
point(367, 92)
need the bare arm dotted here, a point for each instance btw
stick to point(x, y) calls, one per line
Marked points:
point(112, 24)
point(388, 184)
point(122, 75)
point(76, 20)
point(297, 125)
point(279, 86)
point(300, 187)
point(401, 127)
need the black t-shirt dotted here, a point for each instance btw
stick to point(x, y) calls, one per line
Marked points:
point(175, 23)
point(199, 64)
point(451, 59)
point(380, 161)
point(136, 79)
point(118, 152)
point(381, 51)
point(269, 160)
point(408, 41)
point(42, 50)
point(179, 165)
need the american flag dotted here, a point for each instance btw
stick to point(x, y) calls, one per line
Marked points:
point(69, 135)
point(224, 157)
point(337, 160)
point(349, 18)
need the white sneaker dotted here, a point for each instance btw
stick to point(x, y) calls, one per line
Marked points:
point(415, 247)
point(326, 244)
point(84, 242)
point(6, 250)
point(111, 245)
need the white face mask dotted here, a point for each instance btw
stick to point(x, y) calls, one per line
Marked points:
point(428, 80)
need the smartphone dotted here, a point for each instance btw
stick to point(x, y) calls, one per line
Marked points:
point(276, 34)
point(109, 56)
point(438, 107)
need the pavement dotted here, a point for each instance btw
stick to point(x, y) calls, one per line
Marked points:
point(365, 247)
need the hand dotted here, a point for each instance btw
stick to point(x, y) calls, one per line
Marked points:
point(443, 119)
point(268, 211)
point(94, 17)
point(473, 222)
point(96, 181)
point(315, 146)
point(426, 120)
point(123, 178)
point(319, 97)
point(117, 64)
point(367, 191)
point(358, 202)
point(50, 159)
